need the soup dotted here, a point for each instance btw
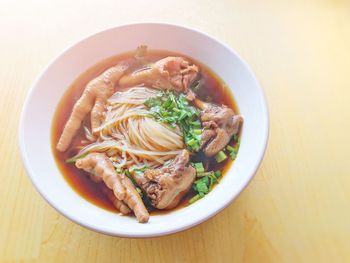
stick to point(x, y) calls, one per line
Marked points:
point(146, 132)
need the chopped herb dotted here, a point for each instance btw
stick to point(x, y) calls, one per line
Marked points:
point(139, 169)
point(231, 151)
point(230, 148)
point(233, 155)
point(213, 180)
point(220, 157)
point(173, 109)
point(197, 131)
point(199, 167)
point(75, 158)
point(204, 184)
point(196, 124)
point(195, 198)
point(217, 174)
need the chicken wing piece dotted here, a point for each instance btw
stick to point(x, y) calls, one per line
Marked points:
point(170, 73)
point(93, 99)
point(220, 123)
point(166, 186)
point(99, 165)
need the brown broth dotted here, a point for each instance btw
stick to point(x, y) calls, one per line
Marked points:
point(79, 180)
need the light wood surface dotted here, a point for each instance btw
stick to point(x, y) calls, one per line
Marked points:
point(297, 207)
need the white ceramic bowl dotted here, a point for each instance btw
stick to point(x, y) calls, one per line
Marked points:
point(38, 110)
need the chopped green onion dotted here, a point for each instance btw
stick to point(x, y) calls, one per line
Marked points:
point(75, 158)
point(204, 184)
point(217, 174)
point(197, 131)
point(183, 115)
point(199, 167)
point(139, 169)
point(230, 148)
point(213, 180)
point(232, 152)
point(220, 157)
point(201, 185)
point(195, 198)
point(196, 124)
point(191, 142)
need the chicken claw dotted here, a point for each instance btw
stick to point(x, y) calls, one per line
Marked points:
point(99, 165)
point(170, 73)
point(93, 99)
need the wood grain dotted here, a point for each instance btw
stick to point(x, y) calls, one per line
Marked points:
point(297, 207)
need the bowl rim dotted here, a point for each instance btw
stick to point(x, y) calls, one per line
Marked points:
point(222, 206)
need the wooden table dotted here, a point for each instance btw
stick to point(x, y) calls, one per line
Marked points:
point(297, 207)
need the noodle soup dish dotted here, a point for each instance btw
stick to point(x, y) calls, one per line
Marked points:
point(143, 130)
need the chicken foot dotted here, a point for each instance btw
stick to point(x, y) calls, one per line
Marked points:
point(99, 165)
point(170, 73)
point(93, 99)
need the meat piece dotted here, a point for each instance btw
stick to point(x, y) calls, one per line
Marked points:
point(207, 135)
point(220, 123)
point(100, 166)
point(171, 73)
point(93, 99)
point(166, 186)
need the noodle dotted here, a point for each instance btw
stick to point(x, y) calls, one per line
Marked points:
point(130, 136)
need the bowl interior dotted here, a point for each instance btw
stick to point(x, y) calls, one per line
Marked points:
point(37, 115)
